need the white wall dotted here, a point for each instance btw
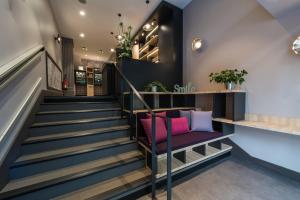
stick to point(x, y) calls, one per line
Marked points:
point(24, 24)
point(242, 34)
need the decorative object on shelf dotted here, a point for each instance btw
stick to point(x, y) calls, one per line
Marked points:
point(197, 44)
point(296, 46)
point(230, 77)
point(148, 27)
point(184, 89)
point(155, 86)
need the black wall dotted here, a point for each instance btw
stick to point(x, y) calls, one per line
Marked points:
point(169, 70)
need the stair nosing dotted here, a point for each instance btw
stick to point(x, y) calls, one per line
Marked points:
point(77, 121)
point(71, 153)
point(70, 177)
point(145, 182)
point(77, 134)
point(76, 111)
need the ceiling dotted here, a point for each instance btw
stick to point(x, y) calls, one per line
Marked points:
point(100, 19)
point(286, 12)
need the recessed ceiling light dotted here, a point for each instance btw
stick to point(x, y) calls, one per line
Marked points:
point(112, 50)
point(85, 55)
point(82, 35)
point(82, 13)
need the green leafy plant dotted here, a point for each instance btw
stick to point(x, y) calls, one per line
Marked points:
point(125, 44)
point(159, 85)
point(228, 76)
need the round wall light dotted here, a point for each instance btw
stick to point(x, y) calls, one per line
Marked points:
point(196, 44)
point(296, 46)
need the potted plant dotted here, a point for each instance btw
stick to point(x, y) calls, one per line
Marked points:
point(155, 86)
point(230, 77)
point(125, 44)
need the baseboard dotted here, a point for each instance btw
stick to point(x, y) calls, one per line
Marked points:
point(14, 150)
point(239, 153)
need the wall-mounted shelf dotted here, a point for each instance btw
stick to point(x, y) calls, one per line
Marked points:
point(151, 54)
point(292, 130)
point(152, 32)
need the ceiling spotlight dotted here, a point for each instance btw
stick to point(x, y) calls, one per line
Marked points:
point(58, 38)
point(112, 50)
point(119, 37)
point(82, 13)
point(85, 55)
point(196, 44)
point(147, 27)
point(82, 35)
point(84, 49)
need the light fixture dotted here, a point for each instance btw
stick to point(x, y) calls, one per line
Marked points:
point(82, 1)
point(84, 48)
point(58, 39)
point(80, 68)
point(296, 46)
point(153, 22)
point(100, 51)
point(112, 50)
point(147, 27)
point(143, 34)
point(82, 35)
point(85, 55)
point(196, 44)
point(82, 13)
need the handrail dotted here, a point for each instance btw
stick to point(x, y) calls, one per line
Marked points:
point(18, 66)
point(133, 89)
point(153, 139)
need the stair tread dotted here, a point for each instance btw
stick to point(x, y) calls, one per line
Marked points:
point(125, 181)
point(77, 111)
point(83, 102)
point(72, 134)
point(69, 150)
point(76, 121)
point(69, 173)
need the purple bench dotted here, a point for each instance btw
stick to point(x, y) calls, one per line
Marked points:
point(178, 141)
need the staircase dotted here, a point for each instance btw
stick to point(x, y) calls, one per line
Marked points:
point(77, 148)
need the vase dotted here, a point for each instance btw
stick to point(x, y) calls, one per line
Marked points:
point(229, 86)
point(154, 88)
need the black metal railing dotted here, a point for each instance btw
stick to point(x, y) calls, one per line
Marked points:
point(122, 86)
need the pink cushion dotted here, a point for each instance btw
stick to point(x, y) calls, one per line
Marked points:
point(180, 125)
point(159, 114)
point(161, 131)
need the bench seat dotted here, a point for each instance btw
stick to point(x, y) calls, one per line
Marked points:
point(184, 140)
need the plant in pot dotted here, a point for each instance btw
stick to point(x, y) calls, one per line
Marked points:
point(229, 77)
point(125, 45)
point(155, 86)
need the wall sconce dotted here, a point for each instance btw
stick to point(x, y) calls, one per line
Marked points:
point(197, 44)
point(58, 39)
point(296, 46)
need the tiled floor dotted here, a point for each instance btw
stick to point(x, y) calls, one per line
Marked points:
point(235, 180)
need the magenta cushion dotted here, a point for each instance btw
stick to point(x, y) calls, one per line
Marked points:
point(159, 114)
point(161, 131)
point(180, 125)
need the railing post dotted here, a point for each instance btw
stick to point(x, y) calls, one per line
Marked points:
point(131, 111)
point(169, 159)
point(153, 157)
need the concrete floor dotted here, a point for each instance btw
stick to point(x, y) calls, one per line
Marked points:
point(234, 179)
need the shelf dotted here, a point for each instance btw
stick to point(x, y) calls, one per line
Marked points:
point(151, 33)
point(152, 42)
point(159, 109)
point(153, 52)
point(198, 92)
point(292, 130)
